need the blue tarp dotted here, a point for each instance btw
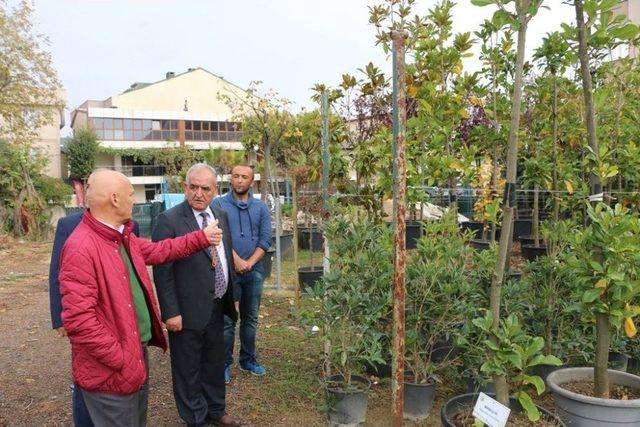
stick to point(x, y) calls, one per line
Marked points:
point(172, 199)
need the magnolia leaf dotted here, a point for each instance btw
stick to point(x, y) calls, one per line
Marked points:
point(626, 32)
point(569, 186)
point(591, 295)
point(535, 381)
point(545, 360)
point(529, 407)
point(602, 283)
point(630, 327)
point(481, 3)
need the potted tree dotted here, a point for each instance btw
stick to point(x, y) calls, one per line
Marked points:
point(511, 353)
point(354, 298)
point(608, 284)
point(440, 297)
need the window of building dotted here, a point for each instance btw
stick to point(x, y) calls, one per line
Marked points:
point(163, 130)
point(212, 131)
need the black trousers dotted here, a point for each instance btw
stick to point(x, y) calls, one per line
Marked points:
point(197, 369)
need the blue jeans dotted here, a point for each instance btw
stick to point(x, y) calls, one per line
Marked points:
point(250, 295)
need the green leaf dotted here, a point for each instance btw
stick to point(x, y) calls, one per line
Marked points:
point(481, 3)
point(529, 407)
point(626, 32)
point(545, 360)
point(536, 381)
point(591, 295)
point(515, 359)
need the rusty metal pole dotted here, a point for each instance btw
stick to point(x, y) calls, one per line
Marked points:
point(399, 39)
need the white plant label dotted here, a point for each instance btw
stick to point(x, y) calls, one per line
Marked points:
point(490, 411)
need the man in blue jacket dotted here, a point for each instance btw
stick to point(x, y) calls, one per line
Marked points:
point(250, 224)
point(65, 227)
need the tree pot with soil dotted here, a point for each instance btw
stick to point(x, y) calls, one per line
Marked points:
point(286, 244)
point(413, 233)
point(581, 410)
point(418, 397)
point(605, 262)
point(454, 407)
point(310, 238)
point(347, 404)
point(479, 244)
point(267, 262)
point(521, 227)
point(532, 252)
point(309, 276)
point(528, 239)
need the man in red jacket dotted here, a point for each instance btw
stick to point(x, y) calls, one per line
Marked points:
point(109, 309)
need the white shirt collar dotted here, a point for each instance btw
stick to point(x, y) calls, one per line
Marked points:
point(119, 229)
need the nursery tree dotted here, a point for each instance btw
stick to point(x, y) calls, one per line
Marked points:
point(609, 28)
point(518, 19)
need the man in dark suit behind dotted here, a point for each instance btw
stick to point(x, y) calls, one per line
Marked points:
point(65, 227)
point(194, 294)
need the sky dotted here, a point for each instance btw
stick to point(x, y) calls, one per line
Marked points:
point(100, 47)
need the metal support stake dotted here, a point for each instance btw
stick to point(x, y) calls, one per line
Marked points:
point(399, 39)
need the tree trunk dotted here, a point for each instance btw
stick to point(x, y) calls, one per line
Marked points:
point(18, 230)
point(554, 141)
point(535, 217)
point(264, 180)
point(601, 376)
point(294, 214)
point(502, 389)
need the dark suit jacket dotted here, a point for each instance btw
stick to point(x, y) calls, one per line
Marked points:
point(186, 287)
point(65, 227)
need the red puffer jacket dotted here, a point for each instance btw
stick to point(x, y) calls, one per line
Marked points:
point(98, 310)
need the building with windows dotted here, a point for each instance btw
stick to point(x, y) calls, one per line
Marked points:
point(631, 9)
point(181, 109)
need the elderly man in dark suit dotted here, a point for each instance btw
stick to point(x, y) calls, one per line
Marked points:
point(195, 293)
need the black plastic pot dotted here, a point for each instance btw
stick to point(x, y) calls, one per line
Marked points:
point(286, 244)
point(316, 239)
point(633, 366)
point(528, 239)
point(308, 276)
point(515, 275)
point(474, 385)
point(418, 399)
point(618, 361)
point(521, 227)
point(475, 226)
point(267, 262)
point(531, 252)
point(347, 407)
point(467, 401)
point(478, 244)
point(413, 233)
point(443, 350)
point(379, 370)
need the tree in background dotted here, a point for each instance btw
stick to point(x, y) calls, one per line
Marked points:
point(264, 119)
point(82, 151)
point(28, 99)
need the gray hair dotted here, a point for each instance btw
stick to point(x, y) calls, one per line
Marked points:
point(200, 166)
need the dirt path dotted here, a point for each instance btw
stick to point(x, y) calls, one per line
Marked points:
point(35, 373)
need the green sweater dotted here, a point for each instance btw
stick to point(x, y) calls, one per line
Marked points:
point(142, 310)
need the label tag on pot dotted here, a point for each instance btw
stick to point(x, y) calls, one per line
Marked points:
point(490, 411)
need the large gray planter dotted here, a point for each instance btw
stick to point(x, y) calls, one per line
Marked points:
point(577, 410)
